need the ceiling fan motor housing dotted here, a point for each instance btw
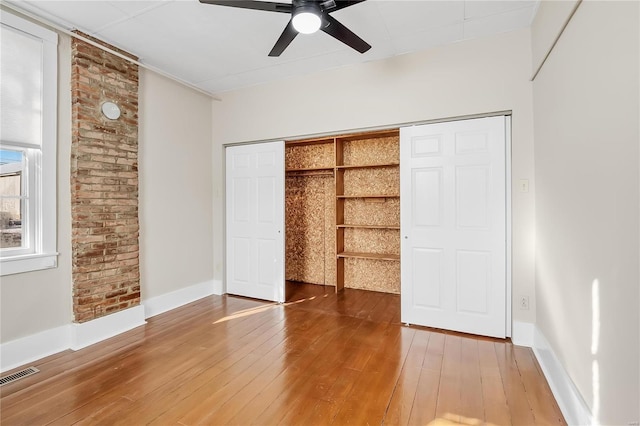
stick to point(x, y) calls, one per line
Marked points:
point(307, 16)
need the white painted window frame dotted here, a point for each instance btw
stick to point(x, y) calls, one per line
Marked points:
point(41, 163)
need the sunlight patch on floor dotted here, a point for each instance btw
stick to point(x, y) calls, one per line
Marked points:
point(259, 309)
point(453, 419)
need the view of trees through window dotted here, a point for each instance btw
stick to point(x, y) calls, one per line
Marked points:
point(11, 198)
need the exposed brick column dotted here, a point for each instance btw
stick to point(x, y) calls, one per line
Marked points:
point(104, 183)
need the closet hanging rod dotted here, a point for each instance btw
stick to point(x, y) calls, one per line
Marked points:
point(309, 174)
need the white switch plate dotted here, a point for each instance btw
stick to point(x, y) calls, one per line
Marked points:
point(523, 184)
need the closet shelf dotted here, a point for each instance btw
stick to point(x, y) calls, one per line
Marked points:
point(367, 166)
point(375, 256)
point(310, 142)
point(368, 196)
point(368, 226)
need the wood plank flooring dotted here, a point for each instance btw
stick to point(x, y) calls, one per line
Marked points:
point(319, 359)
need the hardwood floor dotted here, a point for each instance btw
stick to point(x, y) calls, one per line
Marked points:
point(321, 358)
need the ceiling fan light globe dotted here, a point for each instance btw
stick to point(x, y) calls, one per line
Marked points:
point(306, 22)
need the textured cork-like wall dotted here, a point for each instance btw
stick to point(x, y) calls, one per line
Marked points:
point(374, 181)
point(310, 230)
point(381, 241)
point(308, 156)
point(104, 184)
point(360, 211)
point(370, 150)
point(310, 213)
point(372, 274)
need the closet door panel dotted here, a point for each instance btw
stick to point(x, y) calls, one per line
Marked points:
point(453, 225)
point(255, 220)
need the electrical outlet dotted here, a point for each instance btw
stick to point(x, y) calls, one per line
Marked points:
point(524, 303)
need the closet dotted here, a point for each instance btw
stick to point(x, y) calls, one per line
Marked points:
point(347, 219)
point(342, 211)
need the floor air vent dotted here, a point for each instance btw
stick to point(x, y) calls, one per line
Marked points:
point(18, 375)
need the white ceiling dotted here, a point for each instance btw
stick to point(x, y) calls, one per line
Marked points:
point(218, 48)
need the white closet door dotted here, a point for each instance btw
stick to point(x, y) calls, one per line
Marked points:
point(453, 225)
point(255, 220)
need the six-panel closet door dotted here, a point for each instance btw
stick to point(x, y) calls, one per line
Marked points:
point(453, 225)
point(255, 220)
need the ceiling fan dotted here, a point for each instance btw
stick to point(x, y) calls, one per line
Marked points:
point(307, 16)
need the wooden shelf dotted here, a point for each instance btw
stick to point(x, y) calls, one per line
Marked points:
point(368, 196)
point(372, 159)
point(368, 226)
point(375, 256)
point(367, 166)
point(310, 169)
point(310, 142)
point(369, 135)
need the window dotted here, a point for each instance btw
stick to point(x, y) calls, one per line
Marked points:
point(28, 88)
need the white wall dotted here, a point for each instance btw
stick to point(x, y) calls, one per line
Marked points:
point(586, 109)
point(176, 207)
point(479, 76)
point(36, 301)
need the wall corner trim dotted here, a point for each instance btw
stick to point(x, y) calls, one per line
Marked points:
point(168, 301)
point(522, 333)
point(573, 407)
point(88, 333)
point(25, 350)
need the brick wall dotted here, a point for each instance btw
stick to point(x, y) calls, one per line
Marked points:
point(104, 184)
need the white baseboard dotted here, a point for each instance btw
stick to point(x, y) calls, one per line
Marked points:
point(218, 288)
point(573, 407)
point(175, 299)
point(16, 353)
point(28, 349)
point(522, 333)
point(90, 332)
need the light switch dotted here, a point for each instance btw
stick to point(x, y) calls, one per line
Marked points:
point(523, 184)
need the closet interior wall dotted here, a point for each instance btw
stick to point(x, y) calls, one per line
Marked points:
point(343, 211)
point(309, 212)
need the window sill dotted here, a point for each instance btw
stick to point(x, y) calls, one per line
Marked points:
point(28, 263)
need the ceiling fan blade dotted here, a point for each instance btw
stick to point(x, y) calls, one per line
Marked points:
point(340, 32)
point(333, 5)
point(285, 39)
point(251, 4)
